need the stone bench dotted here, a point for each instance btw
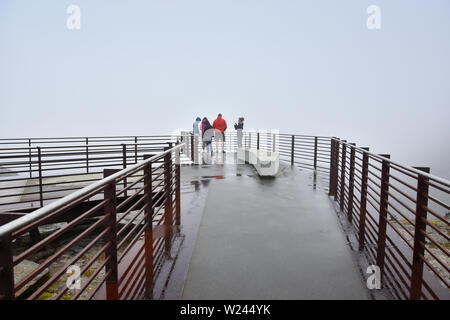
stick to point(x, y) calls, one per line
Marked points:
point(265, 162)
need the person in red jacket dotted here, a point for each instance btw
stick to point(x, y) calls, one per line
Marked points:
point(219, 125)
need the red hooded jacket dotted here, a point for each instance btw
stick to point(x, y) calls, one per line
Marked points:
point(220, 124)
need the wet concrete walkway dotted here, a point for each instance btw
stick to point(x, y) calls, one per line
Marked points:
point(270, 239)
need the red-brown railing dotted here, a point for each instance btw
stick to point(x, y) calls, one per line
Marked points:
point(36, 171)
point(399, 213)
point(116, 242)
point(304, 151)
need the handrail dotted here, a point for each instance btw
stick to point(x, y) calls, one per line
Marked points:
point(83, 137)
point(406, 167)
point(300, 135)
point(90, 145)
point(398, 223)
point(41, 212)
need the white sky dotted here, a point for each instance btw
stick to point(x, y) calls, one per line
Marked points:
point(305, 67)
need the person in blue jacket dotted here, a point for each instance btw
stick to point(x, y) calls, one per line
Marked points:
point(195, 127)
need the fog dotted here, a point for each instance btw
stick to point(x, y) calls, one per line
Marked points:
point(304, 67)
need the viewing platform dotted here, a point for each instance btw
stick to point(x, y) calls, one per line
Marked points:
point(154, 217)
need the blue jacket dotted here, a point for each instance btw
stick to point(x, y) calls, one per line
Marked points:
point(195, 127)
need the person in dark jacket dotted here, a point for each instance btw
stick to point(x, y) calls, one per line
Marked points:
point(239, 127)
point(207, 134)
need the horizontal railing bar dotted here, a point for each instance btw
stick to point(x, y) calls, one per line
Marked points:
point(58, 233)
point(408, 168)
point(26, 140)
point(72, 261)
point(57, 254)
point(133, 267)
point(92, 277)
point(33, 216)
point(117, 146)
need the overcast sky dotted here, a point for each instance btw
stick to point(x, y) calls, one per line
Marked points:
point(305, 67)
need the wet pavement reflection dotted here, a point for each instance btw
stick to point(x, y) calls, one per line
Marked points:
point(195, 182)
point(195, 185)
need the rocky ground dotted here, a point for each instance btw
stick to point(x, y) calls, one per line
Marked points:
point(21, 270)
point(444, 228)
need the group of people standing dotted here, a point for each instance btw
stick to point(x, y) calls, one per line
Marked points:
point(216, 130)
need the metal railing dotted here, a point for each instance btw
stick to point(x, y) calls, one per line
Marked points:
point(305, 151)
point(36, 171)
point(116, 243)
point(399, 214)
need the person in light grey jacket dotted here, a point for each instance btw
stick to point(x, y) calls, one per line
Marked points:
point(239, 127)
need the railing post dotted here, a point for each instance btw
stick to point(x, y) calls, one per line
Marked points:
point(337, 147)
point(192, 147)
point(168, 209)
point(382, 221)
point(331, 177)
point(41, 193)
point(334, 170)
point(187, 145)
point(315, 153)
point(292, 150)
point(182, 140)
point(362, 213)
point(148, 233)
point(274, 142)
point(178, 188)
point(419, 235)
point(124, 155)
point(351, 181)
point(124, 165)
point(257, 140)
point(196, 160)
point(29, 157)
point(6, 268)
point(342, 186)
point(112, 280)
point(87, 155)
point(135, 150)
